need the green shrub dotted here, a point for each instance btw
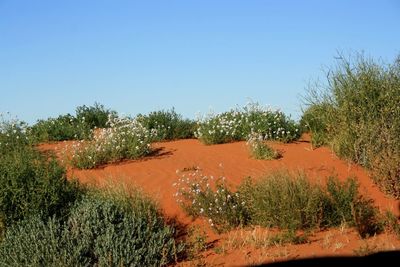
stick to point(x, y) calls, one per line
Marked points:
point(358, 114)
point(64, 127)
point(31, 184)
point(69, 127)
point(96, 116)
point(278, 200)
point(125, 139)
point(13, 135)
point(237, 124)
point(201, 195)
point(104, 229)
point(260, 150)
point(168, 124)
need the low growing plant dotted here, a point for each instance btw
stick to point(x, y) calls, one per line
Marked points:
point(237, 124)
point(168, 124)
point(210, 197)
point(260, 150)
point(104, 229)
point(278, 200)
point(125, 139)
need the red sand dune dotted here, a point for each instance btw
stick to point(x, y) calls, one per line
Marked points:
point(157, 173)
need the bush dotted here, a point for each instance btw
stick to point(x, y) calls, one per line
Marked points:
point(95, 116)
point(125, 139)
point(260, 150)
point(237, 124)
point(69, 127)
point(278, 200)
point(104, 229)
point(32, 184)
point(13, 135)
point(201, 195)
point(357, 113)
point(168, 124)
point(64, 127)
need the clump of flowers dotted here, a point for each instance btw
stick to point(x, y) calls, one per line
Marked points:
point(124, 139)
point(13, 133)
point(206, 196)
point(238, 123)
point(259, 149)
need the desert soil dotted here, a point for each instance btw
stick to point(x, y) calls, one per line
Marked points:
point(157, 173)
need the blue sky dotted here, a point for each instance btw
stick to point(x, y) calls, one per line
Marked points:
point(140, 56)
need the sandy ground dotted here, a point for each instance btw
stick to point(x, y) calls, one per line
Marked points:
point(156, 175)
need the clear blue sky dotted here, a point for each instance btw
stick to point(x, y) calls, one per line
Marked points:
point(140, 56)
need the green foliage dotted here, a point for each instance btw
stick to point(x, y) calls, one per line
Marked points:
point(69, 127)
point(125, 139)
point(32, 184)
point(260, 150)
point(237, 124)
point(104, 229)
point(358, 114)
point(13, 135)
point(95, 116)
point(64, 127)
point(168, 124)
point(278, 200)
point(200, 195)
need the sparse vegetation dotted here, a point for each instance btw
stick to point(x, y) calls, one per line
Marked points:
point(260, 150)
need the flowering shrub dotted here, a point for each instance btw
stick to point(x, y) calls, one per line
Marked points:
point(238, 123)
point(259, 149)
point(13, 134)
point(277, 200)
point(201, 195)
point(125, 139)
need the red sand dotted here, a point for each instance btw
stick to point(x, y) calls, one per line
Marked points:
point(157, 173)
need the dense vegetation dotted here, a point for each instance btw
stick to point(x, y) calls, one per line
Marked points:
point(357, 113)
point(278, 200)
point(47, 220)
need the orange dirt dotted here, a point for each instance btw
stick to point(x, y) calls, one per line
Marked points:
point(157, 173)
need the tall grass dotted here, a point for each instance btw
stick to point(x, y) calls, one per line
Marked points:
point(278, 200)
point(357, 113)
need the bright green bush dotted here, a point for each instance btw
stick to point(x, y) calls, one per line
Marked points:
point(104, 229)
point(237, 124)
point(124, 139)
point(358, 114)
point(168, 124)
